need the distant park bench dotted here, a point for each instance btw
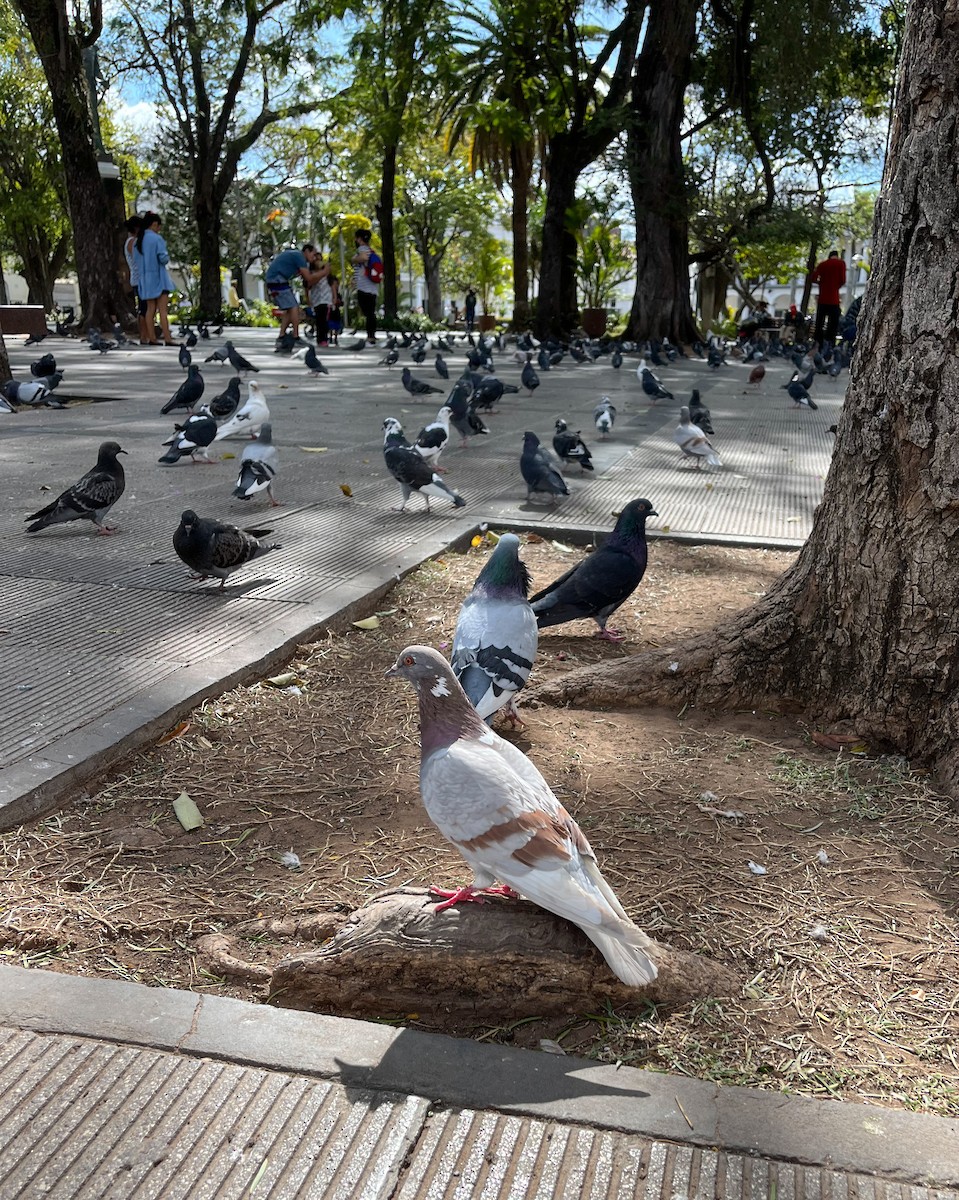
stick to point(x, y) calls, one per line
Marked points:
point(22, 318)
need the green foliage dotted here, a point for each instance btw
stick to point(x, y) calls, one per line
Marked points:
point(259, 315)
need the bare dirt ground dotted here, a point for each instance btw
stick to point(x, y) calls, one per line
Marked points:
point(847, 946)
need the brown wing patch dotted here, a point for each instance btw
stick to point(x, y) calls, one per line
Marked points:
point(547, 837)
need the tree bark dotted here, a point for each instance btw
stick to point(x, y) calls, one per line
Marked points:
point(492, 962)
point(209, 222)
point(384, 215)
point(96, 238)
point(863, 628)
point(520, 174)
point(661, 306)
point(556, 311)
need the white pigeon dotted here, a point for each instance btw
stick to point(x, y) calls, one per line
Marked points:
point(486, 797)
point(604, 417)
point(433, 438)
point(249, 418)
point(694, 443)
point(259, 464)
point(494, 645)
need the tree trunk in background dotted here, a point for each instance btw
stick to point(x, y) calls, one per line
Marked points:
point(96, 237)
point(556, 310)
point(384, 215)
point(208, 228)
point(434, 291)
point(661, 305)
point(520, 174)
point(864, 626)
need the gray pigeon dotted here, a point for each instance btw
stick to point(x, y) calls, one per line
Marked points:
point(604, 417)
point(694, 443)
point(487, 798)
point(212, 548)
point(191, 438)
point(538, 470)
point(570, 447)
point(188, 393)
point(652, 385)
point(185, 357)
point(219, 355)
point(529, 378)
point(228, 401)
point(441, 368)
point(416, 387)
point(90, 498)
point(411, 471)
point(32, 391)
point(237, 361)
point(601, 582)
point(494, 645)
point(259, 464)
point(312, 360)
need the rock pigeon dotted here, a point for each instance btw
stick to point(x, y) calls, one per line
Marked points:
point(185, 357)
point(696, 447)
point(188, 393)
point(433, 438)
point(417, 387)
point(441, 368)
point(756, 376)
point(228, 401)
point(237, 361)
point(651, 384)
point(798, 393)
point(390, 358)
point(284, 344)
point(191, 438)
point(211, 548)
point(604, 417)
point(220, 355)
point(538, 470)
point(90, 498)
point(30, 391)
point(699, 413)
point(494, 645)
point(463, 415)
point(489, 390)
point(259, 465)
point(312, 360)
point(529, 378)
point(411, 471)
point(570, 447)
point(249, 418)
point(487, 799)
point(45, 365)
point(599, 584)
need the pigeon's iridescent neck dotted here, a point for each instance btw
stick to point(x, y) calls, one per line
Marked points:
point(445, 715)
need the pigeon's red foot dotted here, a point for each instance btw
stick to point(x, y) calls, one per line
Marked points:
point(502, 890)
point(451, 896)
point(611, 635)
point(105, 530)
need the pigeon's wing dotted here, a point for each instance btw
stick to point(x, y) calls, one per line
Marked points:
point(432, 437)
point(232, 547)
point(408, 467)
point(602, 581)
point(494, 647)
point(254, 477)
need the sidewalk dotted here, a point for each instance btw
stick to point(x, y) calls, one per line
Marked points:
point(121, 1091)
point(107, 641)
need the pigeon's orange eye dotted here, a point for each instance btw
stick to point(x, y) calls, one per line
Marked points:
point(408, 661)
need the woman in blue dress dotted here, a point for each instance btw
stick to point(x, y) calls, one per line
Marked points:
point(155, 284)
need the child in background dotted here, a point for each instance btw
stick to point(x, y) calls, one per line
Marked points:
point(335, 318)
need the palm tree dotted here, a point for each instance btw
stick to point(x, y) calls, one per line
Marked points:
point(498, 100)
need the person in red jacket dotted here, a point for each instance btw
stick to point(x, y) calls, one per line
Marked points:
point(830, 274)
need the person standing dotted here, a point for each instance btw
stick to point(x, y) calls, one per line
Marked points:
point(154, 283)
point(133, 226)
point(309, 265)
point(470, 310)
point(830, 274)
point(321, 301)
point(367, 273)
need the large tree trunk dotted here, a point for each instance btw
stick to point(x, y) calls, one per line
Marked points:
point(96, 245)
point(208, 227)
point(661, 305)
point(434, 290)
point(556, 309)
point(384, 215)
point(864, 626)
point(520, 173)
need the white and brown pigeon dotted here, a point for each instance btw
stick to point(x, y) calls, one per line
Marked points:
point(487, 798)
point(695, 445)
point(494, 645)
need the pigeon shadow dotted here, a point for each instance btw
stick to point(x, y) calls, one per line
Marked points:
point(234, 589)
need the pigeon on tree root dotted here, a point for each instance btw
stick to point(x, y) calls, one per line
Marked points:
point(489, 800)
point(538, 470)
point(604, 417)
point(191, 438)
point(570, 447)
point(417, 387)
point(696, 447)
point(188, 393)
point(90, 498)
point(494, 645)
point(211, 548)
point(605, 579)
point(259, 465)
point(250, 417)
point(411, 471)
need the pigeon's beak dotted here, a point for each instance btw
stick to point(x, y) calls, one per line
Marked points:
point(392, 672)
point(121, 452)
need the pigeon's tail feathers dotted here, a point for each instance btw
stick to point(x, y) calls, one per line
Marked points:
point(625, 949)
point(171, 404)
point(712, 458)
point(439, 491)
point(172, 456)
